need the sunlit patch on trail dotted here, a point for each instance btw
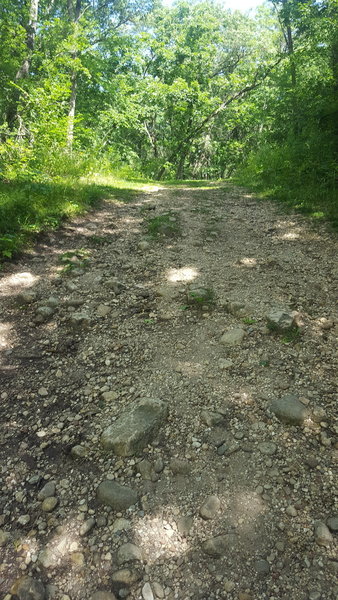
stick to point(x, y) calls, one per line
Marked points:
point(16, 282)
point(159, 538)
point(5, 335)
point(289, 235)
point(247, 262)
point(183, 274)
point(248, 505)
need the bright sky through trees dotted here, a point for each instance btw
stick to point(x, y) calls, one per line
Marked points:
point(242, 5)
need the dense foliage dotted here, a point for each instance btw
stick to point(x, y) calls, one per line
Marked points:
point(194, 91)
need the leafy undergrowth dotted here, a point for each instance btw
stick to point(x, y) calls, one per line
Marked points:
point(311, 201)
point(295, 175)
point(29, 207)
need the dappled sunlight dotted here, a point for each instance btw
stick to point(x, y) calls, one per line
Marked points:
point(5, 335)
point(190, 369)
point(183, 274)
point(159, 538)
point(248, 262)
point(17, 282)
point(289, 235)
point(247, 506)
point(64, 546)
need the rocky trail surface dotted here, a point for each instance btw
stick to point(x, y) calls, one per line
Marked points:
point(168, 405)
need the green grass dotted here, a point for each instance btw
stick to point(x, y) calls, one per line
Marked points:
point(163, 225)
point(30, 207)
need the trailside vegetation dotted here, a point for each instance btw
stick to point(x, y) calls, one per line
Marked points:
point(192, 91)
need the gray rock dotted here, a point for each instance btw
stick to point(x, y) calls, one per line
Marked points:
point(5, 537)
point(184, 525)
point(26, 297)
point(314, 595)
point(267, 448)
point(220, 545)
point(158, 590)
point(237, 308)
point(198, 296)
point(47, 490)
point(126, 577)
point(43, 313)
point(47, 558)
point(49, 504)
point(114, 284)
point(158, 465)
point(103, 310)
point(87, 526)
point(103, 596)
point(281, 319)
point(79, 319)
point(211, 418)
point(234, 337)
point(110, 396)
point(129, 552)
point(147, 592)
point(28, 588)
point(135, 428)
point(119, 497)
point(179, 466)
point(332, 523)
point(289, 409)
point(323, 536)
point(52, 301)
point(121, 524)
point(75, 301)
point(145, 469)
point(261, 566)
point(143, 245)
point(291, 511)
point(225, 364)
point(210, 507)
point(78, 451)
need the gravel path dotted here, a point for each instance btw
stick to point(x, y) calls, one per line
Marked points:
point(229, 492)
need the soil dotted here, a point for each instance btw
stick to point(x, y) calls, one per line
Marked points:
point(121, 320)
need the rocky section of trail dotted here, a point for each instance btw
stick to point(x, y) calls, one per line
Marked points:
point(168, 405)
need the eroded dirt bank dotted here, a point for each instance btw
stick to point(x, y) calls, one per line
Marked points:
point(232, 502)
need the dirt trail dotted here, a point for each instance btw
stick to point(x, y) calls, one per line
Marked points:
point(81, 346)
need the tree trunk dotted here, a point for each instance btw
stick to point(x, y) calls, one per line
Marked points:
point(23, 71)
point(180, 165)
point(71, 111)
point(74, 12)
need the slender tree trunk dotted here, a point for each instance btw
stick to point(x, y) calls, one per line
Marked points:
point(74, 11)
point(180, 165)
point(23, 71)
point(71, 111)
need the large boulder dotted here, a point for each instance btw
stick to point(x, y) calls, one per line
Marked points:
point(135, 428)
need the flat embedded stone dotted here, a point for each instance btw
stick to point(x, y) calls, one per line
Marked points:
point(103, 596)
point(289, 409)
point(119, 497)
point(28, 588)
point(210, 507)
point(128, 553)
point(220, 545)
point(234, 337)
point(135, 428)
point(126, 577)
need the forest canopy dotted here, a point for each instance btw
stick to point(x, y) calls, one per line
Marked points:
point(188, 91)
